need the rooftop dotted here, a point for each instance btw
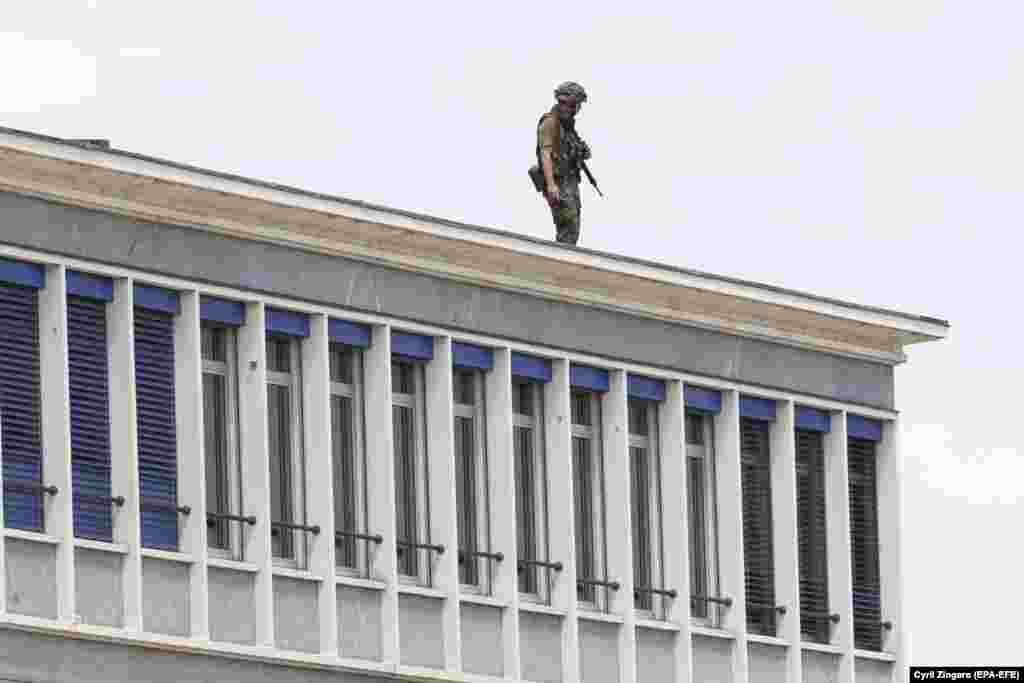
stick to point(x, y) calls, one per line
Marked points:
point(92, 174)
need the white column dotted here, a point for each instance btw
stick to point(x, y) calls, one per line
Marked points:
point(498, 391)
point(618, 534)
point(319, 485)
point(784, 534)
point(442, 497)
point(730, 529)
point(562, 539)
point(188, 411)
point(252, 415)
point(675, 522)
point(890, 544)
point(380, 483)
point(837, 515)
point(56, 416)
point(124, 460)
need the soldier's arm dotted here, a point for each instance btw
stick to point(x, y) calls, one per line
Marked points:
point(546, 140)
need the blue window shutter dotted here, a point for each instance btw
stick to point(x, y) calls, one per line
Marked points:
point(212, 309)
point(157, 439)
point(813, 420)
point(412, 346)
point(530, 367)
point(156, 299)
point(20, 436)
point(89, 286)
point(586, 377)
point(90, 418)
point(863, 428)
point(638, 386)
point(348, 333)
point(757, 408)
point(472, 356)
point(702, 400)
point(287, 322)
point(21, 273)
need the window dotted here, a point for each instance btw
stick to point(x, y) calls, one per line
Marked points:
point(703, 517)
point(411, 489)
point(220, 438)
point(284, 428)
point(471, 479)
point(758, 555)
point(157, 430)
point(867, 606)
point(531, 488)
point(646, 504)
point(588, 496)
point(20, 414)
point(347, 456)
point(90, 418)
point(812, 535)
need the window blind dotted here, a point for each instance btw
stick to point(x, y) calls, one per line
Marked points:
point(867, 606)
point(758, 553)
point(812, 535)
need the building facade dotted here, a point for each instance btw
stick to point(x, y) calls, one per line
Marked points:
point(253, 433)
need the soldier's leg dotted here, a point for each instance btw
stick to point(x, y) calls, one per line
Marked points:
point(567, 217)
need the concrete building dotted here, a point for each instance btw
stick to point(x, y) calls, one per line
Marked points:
point(251, 433)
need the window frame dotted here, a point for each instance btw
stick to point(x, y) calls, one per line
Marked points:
point(591, 434)
point(654, 497)
point(541, 530)
point(705, 453)
point(292, 380)
point(416, 402)
point(477, 412)
point(228, 370)
point(354, 392)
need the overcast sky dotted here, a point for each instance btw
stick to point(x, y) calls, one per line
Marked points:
point(870, 151)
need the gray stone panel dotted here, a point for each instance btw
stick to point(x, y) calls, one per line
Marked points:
point(655, 655)
point(296, 615)
point(871, 671)
point(482, 652)
point(232, 615)
point(766, 663)
point(289, 272)
point(99, 598)
point(820, 667)
point(359, 623)
point(712, 659)
point(599, 652)
point(165, 597)
point(37, 658)
point(421, 631)
point(540, 647)
point(31, 578)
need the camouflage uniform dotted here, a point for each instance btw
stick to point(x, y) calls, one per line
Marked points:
point(568, 151)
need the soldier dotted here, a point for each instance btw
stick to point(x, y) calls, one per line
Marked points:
point(561, 154)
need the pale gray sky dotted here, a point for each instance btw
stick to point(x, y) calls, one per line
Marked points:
point(870, 151)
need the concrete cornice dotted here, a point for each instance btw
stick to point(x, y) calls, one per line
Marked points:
point(156, 190)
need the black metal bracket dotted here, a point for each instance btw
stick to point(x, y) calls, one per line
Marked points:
point(726, 601)
point(213, 516)
point(557, 566)
point(373, 538)
point(117, 500)
point(497, 557)
point(668, 592)
point(28, 487)
point(311, 528)
point(439, 549)
point(887, 625)
point(614, 585)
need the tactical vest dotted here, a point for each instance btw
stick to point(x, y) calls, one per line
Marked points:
point(569, 155)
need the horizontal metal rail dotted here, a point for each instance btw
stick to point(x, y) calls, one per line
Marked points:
point(439, 549)
point(614, 585)
point(311, 528)
point(373, 538)
point(557, 566)
point(497, 557)
point(116, 500)
point(213, 516)
point(156, 505)
point(29, 487)
point(726, 601)
point(668, 592)
point(781, 609)
point(810, 614)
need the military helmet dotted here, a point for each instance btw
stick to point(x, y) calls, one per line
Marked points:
point(571, 89)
